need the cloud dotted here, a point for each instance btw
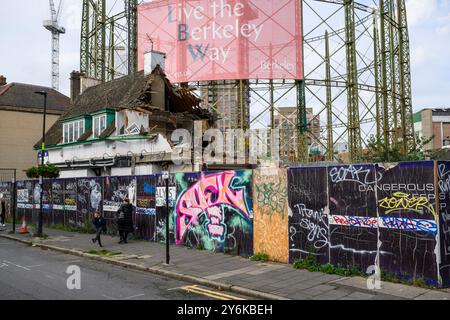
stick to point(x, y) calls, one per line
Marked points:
point(429, 29)
point(420, 11)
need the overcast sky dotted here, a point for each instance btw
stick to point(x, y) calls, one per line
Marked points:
point(25, 46)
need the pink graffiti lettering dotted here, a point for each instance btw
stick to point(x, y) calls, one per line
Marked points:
point(353, 221)
point(208, 195)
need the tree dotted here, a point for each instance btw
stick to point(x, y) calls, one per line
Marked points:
point(394, 152)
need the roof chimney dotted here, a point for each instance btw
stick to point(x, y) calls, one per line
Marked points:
point(75, 85)
point(152, 59)
point(2, 81)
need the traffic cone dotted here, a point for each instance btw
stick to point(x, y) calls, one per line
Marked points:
point(24, 226)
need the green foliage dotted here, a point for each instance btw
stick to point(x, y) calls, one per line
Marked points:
point(42, 236)
point(310, 264)
point(47, 171)
point(261, 256)
point(394, 152)
point(103, 253)
point(87, 229)
point(32, 173)
point(417, 282)
point(9, 220)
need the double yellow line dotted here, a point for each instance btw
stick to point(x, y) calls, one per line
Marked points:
point(210, 293)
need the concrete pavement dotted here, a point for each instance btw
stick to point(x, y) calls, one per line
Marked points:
point(30, 274)
point(235, 274)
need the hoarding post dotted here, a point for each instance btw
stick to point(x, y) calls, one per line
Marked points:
point(166, 178)
point(13, 200)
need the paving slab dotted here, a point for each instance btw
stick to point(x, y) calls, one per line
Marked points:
point(270, 278)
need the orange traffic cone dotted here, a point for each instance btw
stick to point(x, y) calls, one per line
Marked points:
point(24, 226)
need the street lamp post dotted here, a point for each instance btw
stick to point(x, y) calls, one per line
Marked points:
point(166, 178)
point(14, 200)
point(41, 178)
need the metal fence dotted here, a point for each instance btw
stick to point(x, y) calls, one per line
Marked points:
point(8, 193)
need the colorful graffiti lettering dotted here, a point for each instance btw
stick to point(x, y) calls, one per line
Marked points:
point(402, 201)
point(428, 226)
point(208, 195)
point(352, 221)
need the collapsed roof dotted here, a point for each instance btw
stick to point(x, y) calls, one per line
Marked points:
point(133, 92)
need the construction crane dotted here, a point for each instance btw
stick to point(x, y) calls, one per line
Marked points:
point(53, 26)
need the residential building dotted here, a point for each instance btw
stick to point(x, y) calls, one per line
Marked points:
point(433, 123)
point(224, 98)
point(286, 121)
point(124, 127)
point(21, 121)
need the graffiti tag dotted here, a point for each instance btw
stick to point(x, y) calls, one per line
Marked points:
point(359, 175)
point(408, 224)
point(272, 197)
point(315, 223)
point(352, 221)
point(402, 201)
point(208, 195)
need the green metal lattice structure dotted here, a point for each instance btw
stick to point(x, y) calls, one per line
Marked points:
point(357, 73)
point(108, 39)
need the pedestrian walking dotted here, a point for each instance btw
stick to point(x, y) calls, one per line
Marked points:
point(100, 226)
point(125, 220)
point(2, 212)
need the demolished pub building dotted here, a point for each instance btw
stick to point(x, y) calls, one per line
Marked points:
point(124, 126)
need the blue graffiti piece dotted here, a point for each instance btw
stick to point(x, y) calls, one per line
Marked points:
point(409, 224)
point(148, 188)
point(146, 211)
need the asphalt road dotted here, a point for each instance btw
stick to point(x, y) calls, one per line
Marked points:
point(35, 274)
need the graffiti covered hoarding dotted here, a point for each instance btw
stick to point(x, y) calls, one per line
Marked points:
point(58, 201)
point(161, 209)
point(25, 199)
point(271, 213)
point(443, 173)
point(5, 191)
point(408, 220)
point(145, 214)
point(89, 193)
point(353, 215)
point(223, 40)
point(47, 202)
point(214, 211)
point(5, 195)
point(116, 189)
point(308, 214)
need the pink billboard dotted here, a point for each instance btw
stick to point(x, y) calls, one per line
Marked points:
point(223, 39)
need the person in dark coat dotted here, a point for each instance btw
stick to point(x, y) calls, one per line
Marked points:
point(125, 220)
point(100, 226)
